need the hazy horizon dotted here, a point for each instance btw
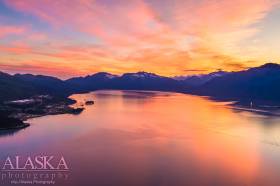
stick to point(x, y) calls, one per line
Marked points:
point(217, 70)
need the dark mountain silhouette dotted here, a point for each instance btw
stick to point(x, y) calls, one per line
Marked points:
point(13, 88)
point(128, 81)
point(145, 81)
point(259, 85)
point(46, 84)
point(197, 80)
point(101, 80)
point(24, 86)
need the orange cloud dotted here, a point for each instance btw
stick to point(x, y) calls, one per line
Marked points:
point(17, 48)
point(161, 36)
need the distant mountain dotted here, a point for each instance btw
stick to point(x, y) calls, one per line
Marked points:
point(260, 84)
point(128, 81)
point(145, 81)
point(197, 80)
point(13, 88)
point(101, 80)
point(24, 86)
point(45, 84)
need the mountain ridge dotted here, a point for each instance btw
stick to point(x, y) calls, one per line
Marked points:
point(253, 84)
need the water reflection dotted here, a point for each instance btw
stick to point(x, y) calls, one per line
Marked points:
point(11, 132)
point(154, 138)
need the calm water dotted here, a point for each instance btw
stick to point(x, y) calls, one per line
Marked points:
point(154, 138)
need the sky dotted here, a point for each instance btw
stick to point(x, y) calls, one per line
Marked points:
point(66, 38)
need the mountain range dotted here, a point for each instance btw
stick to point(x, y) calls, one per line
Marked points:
point(197, 80)
point(128, 81)
point(259, 84)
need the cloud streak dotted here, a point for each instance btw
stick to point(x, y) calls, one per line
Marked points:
point(11, 30)
point(168, 36)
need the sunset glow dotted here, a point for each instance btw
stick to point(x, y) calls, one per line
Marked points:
point(169, 37)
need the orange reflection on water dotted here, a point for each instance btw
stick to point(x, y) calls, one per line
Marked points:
point(215, 137)
point(156, 138)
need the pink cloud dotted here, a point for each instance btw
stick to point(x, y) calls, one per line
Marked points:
point(16, 48)
point(11, 30)
point(94, 17)
point(183, 33)
point(40, 67)
point(126, 22)
point(36, 37)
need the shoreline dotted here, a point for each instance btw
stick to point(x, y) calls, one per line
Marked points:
point(14, 113)
point(25, 125)
point(56, 106)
